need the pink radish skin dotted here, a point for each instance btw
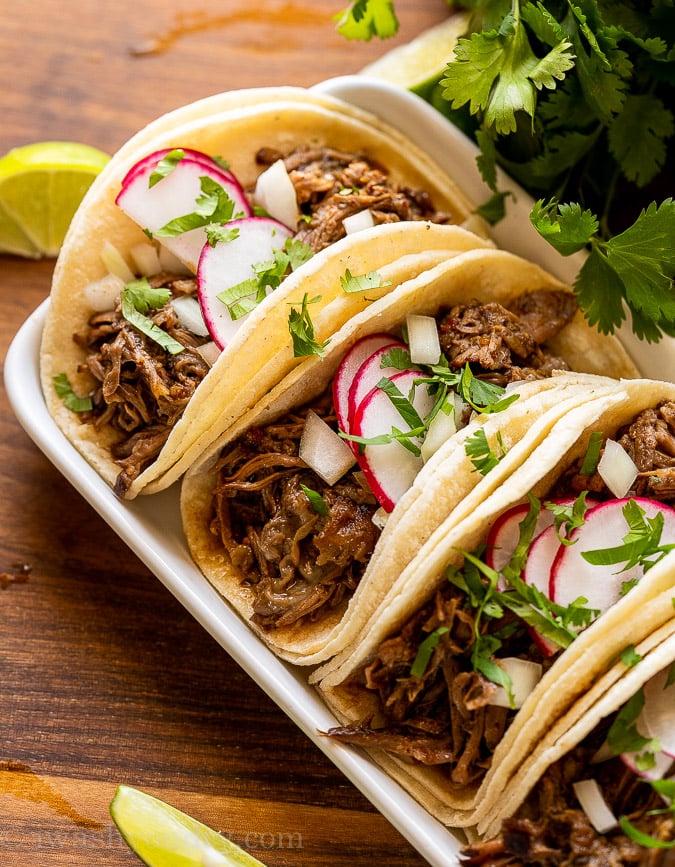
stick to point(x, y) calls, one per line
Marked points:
point(175, 196)
point(389, 469)
point(368, 375)
point(153, 160)
point(605, 527)
point(229, 263)
point(346, 372)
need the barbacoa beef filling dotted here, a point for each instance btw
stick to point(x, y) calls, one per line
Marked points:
point(650, 441)
point(298, 562)
point(551, 829)
point(443, 717)
point(508, 344)
point(141, 389)
point(331, 185)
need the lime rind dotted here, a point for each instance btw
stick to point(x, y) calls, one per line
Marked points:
point(420, 62)
point(163, 836)
point(41, 187)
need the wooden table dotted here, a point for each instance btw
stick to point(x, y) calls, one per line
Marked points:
point(104, 678)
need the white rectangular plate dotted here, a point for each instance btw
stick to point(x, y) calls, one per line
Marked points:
point(151, 526)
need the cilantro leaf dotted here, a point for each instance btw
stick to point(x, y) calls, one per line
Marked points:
point(479, 450)
point(497, 73)
point(138, 298)
point(364, 19)
point(317, 501)
point(213, 205)
point(301, 329)
point(425, 651)
point(70, 400)
point(641, 156)
point(565, 227)
point(362, 282)
point(165, 166)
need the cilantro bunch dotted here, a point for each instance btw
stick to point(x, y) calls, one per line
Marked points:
point(574, 99)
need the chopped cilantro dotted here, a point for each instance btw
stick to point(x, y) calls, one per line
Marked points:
point(213, 205)
point(590, 462)
point(425, 651)
point(641, 544)
point(629, 656)
point(70, 400)
point(166, 165)
point(301, 329)
point(137, 299)
point(317, 501)
point(362, 282)
point(479, 450)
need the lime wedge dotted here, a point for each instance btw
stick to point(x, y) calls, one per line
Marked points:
point(41, 186)
point(162, 836)
point(420, 62)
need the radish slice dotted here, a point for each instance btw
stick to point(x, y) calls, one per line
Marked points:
point(390, 468)
point(524, 674)
point(230, 263)
point(443, 425)
point(274, 191)
point(657, 719)
point(661, 766)
point(175, 195)
point(152, 161)
point(323, 450)
point(368, 375)
point(347, 371)
point(503, 537)
point(605, 527)
point(592, 802)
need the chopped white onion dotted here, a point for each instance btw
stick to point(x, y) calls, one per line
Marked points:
point(524, 674)
point(442, 427)
point(379, 518)
point(102, 294)
point(592, 802)
point(323, 450)
point(209, 352)
point(115, 262)
point(146, 259)
point(274, 191)
point(424, 344)
point(170, 263)
point(617, 469)
point(189, 314)
point(358, 222)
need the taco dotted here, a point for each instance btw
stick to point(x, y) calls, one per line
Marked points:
point(599, 788)
point(148, 403)
point(496, 589)
point(307, 581)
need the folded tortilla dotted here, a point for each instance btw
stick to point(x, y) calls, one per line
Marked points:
point(235, 126)
point(448, 483)
point(645, 609)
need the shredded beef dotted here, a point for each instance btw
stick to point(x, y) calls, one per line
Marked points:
point(649, 439)
point(331, 185)
point(141, 389)
point(298, 563)
point(550, 828)
point(508, 342)
point(443, 717)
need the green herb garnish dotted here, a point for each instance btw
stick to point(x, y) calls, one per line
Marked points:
point(590, 462)
point(212, 206)
point(425, 651)
point(301, 329)
point(317, 501)
point(165, 166)
point(137, 299)
point(479, 450)
point(352, 283)
point(70, 400)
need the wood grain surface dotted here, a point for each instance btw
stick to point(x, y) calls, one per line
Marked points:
point(104, 678)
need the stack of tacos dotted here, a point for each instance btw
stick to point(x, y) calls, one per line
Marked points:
point(150, 404)
point(423, 687)
point(242, 510)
